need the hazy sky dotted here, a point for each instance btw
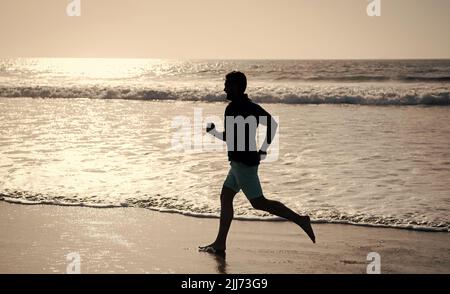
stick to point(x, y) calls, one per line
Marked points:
point(287, 29)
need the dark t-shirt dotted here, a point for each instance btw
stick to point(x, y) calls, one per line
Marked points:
point(245, 108)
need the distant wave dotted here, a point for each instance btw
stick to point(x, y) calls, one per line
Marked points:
point(368, 78)
point(426, 79)
point(349, 79)
point(331, 217)
point(261, 94)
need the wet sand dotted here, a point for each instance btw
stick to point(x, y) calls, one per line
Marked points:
point(37, 239)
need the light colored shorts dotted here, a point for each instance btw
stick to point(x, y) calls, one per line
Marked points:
point(242, 176)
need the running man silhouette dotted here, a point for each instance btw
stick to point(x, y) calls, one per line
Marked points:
point(242, 117)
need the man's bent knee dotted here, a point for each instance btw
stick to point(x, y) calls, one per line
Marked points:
point(259, 203)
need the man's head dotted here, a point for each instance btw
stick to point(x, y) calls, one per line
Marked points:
point(235, 84)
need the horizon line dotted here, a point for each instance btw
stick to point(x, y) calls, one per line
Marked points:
point(235, 59)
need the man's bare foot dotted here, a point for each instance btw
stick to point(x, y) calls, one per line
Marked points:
point(305, 223)
point(213, 250)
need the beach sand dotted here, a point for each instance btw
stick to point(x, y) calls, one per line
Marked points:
point(37, 239)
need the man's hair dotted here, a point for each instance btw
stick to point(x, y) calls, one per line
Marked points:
point(237, 78)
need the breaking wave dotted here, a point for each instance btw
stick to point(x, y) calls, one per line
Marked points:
point(273, 94)
point(332, 217)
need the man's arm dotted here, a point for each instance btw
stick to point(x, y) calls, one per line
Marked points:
point(266, 119)
point(211, 128)
point(272, 127)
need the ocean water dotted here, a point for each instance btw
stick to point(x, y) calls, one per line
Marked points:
point(393, 82)
point(360, 142)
